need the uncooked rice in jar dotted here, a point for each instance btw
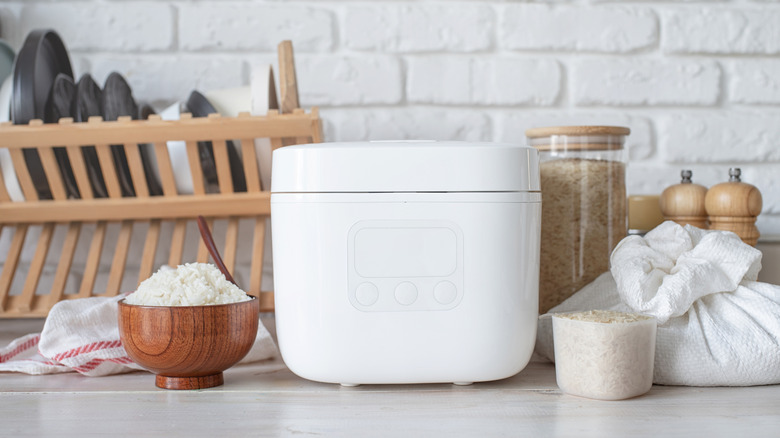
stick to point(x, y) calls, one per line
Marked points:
point(191, 284)
point(583, 219)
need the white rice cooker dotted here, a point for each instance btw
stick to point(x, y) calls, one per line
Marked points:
point(406, 262)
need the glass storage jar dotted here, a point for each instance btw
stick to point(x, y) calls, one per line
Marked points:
point(583, 184)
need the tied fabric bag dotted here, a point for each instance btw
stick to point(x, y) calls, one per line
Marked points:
point(717, 326)
point(82, 335)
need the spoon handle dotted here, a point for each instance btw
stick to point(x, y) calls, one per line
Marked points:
point(205, 233)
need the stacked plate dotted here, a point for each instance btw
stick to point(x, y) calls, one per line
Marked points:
point(41, 85)
point(41, 59)
point(199, 106)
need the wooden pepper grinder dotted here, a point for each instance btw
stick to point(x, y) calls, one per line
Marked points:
point(684, 203)
point(734, 206)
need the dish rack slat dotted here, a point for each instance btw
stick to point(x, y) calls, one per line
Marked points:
point(105, 229)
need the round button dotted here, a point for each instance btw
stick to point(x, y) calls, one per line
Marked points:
point(366, 294)
point(445, 292)
point(406, 293)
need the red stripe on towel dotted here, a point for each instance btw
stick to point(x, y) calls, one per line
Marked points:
point(32, 342)
point(94, 363)
point(95, 346)
point(89, 366)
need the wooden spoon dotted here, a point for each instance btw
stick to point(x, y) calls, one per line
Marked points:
point(205, 233)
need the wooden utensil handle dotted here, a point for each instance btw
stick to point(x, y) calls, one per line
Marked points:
point(209, 241)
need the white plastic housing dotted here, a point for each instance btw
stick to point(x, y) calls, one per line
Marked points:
point(406, 287)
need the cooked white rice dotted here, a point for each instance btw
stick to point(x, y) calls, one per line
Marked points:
point(191, 284)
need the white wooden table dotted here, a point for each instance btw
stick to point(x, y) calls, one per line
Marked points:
point(266, 399)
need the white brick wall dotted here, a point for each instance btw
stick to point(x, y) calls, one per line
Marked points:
point(482, 80)
point(126, 26)
point(645, 82)
point(741, 29)
point(401, 27)
point(579, 28)
point(754, 81)
point(697, 81)
point(351, 80)
point(242, 26)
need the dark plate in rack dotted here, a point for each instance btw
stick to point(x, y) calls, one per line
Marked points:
point(88, 102)
point(58, 105)
point(118, 101)
point(199, 106)
point(149, 160)
point(42, 57)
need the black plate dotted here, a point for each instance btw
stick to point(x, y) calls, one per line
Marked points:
point(199, 106)
point(118, 101)
point(152, 179)
point(88, 102)
point(58, 106)
point(43, 56)
point(60, 100)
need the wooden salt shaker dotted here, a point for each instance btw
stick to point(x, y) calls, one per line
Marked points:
point(735, 206)
point(684, 203)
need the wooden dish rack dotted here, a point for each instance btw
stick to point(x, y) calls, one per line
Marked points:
point(291, 125)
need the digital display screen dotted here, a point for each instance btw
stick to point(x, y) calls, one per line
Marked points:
point(405, 252)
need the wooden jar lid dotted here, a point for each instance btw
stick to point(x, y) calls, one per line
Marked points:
point(576, 130)
point(600, 140)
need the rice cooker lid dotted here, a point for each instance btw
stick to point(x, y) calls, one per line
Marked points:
point(405, 166)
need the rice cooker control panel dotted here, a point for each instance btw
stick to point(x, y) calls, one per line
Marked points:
point(405, 265)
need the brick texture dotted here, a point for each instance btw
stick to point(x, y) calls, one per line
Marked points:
point(419, 27)
point(231, 26)
point(720, 137)
point(754, 81)
point(646, 82)
point(132, 26)
point(719, 30)
point(350, 80)
point(483, 80)
point(581, 28)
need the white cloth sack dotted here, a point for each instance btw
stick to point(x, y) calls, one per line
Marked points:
point(717, 326)
point(82, 335)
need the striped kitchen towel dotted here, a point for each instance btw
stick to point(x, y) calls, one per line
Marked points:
point(82, 335)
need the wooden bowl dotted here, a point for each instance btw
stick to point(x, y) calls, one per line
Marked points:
point(188, 347)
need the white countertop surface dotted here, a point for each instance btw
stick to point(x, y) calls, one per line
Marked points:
point(266, 399)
